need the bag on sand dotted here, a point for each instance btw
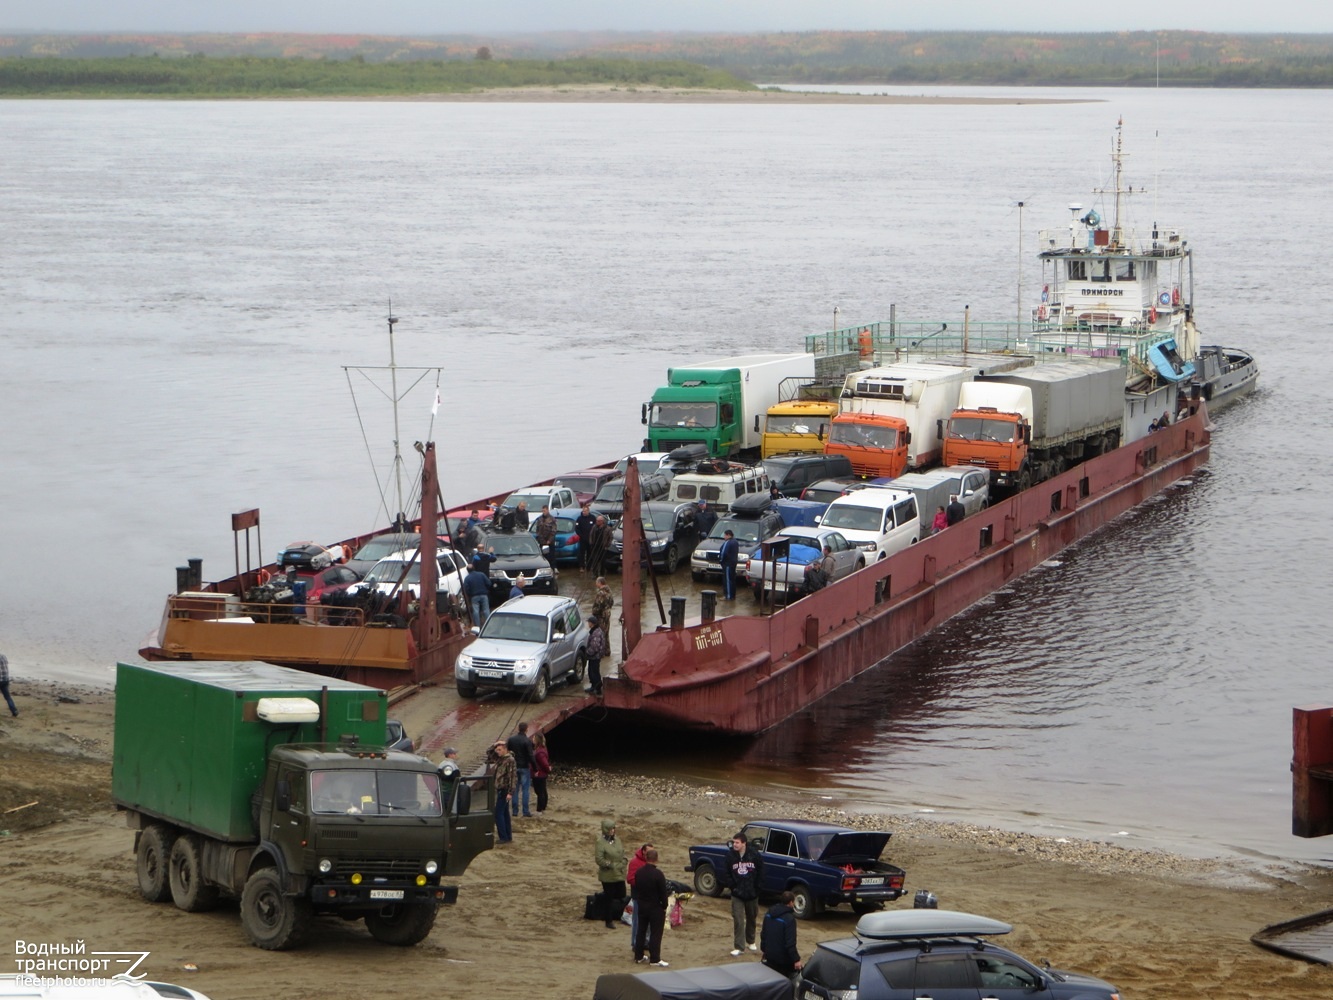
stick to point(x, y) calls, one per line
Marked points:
point(627, 915)
point(676, 915)
point(590, 907)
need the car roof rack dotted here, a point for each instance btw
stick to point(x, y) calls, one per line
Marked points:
point(896, 924)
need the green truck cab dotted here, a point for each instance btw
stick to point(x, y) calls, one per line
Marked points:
point(272, 786)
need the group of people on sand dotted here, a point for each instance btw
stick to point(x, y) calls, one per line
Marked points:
point(650, 892)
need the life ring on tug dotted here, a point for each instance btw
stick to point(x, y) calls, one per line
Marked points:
point(264, 577)
point(866, 343)
point(1175, 296)
point(1042, 311)
point(1152, 314)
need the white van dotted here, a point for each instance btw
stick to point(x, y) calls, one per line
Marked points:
point(719, 483)
point(877, 521)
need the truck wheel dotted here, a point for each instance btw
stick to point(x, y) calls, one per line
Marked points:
point(466, 690)
point(185, 872)
point(861, 909)
point(580, 667)
point(271, 920)
point(705, 881)
point(672, 560)
point(803, 903)
point(404, 925)
point(541, 688)
point(152, 858)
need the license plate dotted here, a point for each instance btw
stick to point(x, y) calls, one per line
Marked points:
point(386, 893)
point(872, 881)
point(809, 995)
point(493, 675)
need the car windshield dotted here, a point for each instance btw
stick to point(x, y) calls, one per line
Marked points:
point(513, 545)
point(380, 793)
point(684, 415)
point(390, 570)
point(535, 501)
point(977, 429)
point(821, 494)
point(612, 491)
point(855, 518)
point(832, 971)
point(515, 627)
point(579, 484)
point(864, 435)
point(744, 530)
point(658, 520)
point(380, 546)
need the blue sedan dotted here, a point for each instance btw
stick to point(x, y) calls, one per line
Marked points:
point(566, 540)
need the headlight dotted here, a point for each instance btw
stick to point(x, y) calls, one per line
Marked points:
point(464, 661)
point(524, 664)
point(542, 572)
point(867, 546)
point(499, 574)
point(658, 546)
point(325, 866)
point(432, 867)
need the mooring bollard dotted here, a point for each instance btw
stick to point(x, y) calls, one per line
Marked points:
point(676, 616)
point(708, 605)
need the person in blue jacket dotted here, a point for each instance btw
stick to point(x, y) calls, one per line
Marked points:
point(729, 555)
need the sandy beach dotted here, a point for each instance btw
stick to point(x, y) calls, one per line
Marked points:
point(1153, 924)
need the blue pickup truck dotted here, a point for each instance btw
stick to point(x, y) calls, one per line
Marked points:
point(821, 863)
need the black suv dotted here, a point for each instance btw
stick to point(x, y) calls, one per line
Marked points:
point(793, 473)
point(610, 499)
point(517, 554)
point(670, 531)
point(752, 518)
point(905, 954)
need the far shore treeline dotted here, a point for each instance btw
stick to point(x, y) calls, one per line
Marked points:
point(271, 64)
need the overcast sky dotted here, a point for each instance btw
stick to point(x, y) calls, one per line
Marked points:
point(439, 17)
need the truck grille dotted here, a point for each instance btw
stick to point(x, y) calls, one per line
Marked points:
point(479, 664)
point(372, 867)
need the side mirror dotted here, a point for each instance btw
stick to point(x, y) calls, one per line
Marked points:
point(821, 432)
point(282, 797)
point(907, 437)
point(939, 430)
point(643, 413)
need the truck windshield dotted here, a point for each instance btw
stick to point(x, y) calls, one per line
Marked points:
point(684, 415)
point(356, 792)
point(864, 436)
point(979, 429)
point(800, 424)
point(853, 518)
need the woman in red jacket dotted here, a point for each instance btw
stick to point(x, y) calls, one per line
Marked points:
point(541, 767)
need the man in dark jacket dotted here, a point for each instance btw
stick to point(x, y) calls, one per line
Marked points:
point(650, 908)
point(741, 874)
point(583, 525)
point(520, 745)
point(729, 556)
point(955, 512)
point(778, 938)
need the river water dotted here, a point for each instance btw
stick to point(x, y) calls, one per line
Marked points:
point(182, 281)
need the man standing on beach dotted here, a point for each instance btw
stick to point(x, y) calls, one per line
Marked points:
point(610, 857)
point(506, 775)
point(521, 748)
point(778, 938)
point(741, 874)
point(650, 909)
point(4, 684)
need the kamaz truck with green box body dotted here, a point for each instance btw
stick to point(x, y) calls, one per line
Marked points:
point(272, 785)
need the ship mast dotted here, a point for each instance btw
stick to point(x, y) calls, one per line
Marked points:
point(400, 514)
point(1117, 159)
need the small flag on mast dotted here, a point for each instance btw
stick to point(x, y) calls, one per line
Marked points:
point(435, 407)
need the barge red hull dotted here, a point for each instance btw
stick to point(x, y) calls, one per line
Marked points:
point(745, 674)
